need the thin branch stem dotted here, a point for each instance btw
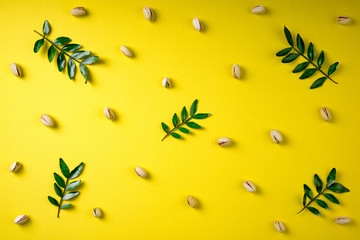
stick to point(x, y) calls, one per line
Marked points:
point(63, 194)
point(312, 200)
point(177, 127)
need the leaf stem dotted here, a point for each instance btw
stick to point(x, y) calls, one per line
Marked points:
point(318, 68)
point(56, 46)
point(61, 200)
point(175, 128)
point(312, 200)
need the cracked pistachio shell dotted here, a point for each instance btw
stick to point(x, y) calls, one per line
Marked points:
point(47, 120)
point(192, 201)
point(224, 141)
point(141, 172)
point(149, 14)
point(236, 71)
point(15, 69)
point(279, 226)
point(97, 212)
point(21, 219)
point(126, 51)
point(15, 166)
point(78, 11)
point(109, 113)
point(343, 20)
point(258, 9)
point(197, 24)
point(276, 136)
point(166, 82)
point(342, 220)
point(325, 114)
point(249, 186)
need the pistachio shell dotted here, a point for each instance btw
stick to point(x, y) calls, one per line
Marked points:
point(109, 113)
point(149, 14)
point(197, 24)
point(192, 201)
point(276, 136)
point(236, 71)
point(166, 82)
point(141, 172)
point(343, 20)
point(249, 186)
point(15, 166)
point(126, 51)
point(325, 114)
point(224, 141)
point(78, 11)
point(258, 9)
point(342, 220)
point(97, 212)
point(279, 226)
point(15, 69)
point(21, 219)
point(47, 120)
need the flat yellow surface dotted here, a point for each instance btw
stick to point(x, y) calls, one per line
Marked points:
point(268, 96)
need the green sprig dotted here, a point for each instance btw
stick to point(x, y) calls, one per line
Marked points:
point(66, 49)
point(185, 120)
point(330, 185)
point(63, 188)
point(300, 51)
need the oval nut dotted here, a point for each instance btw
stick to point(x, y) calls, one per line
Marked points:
point(342, 220)
point(249, 186)
point(126, 51)
point(197, 24)
point(78, 11)
point(276, 136)
point(109, 113)
point(21, 219)
point(224, 141)
point(166, 82)
point(236, 71)
point(15, 69)
point(192, 201)
point(15, 166)
point(343, 20)
point(47, 120)
point(141, 172)
point(279, 226)
point(325, 114)
point(149, 14)
point(97, 212)
point(258, 9)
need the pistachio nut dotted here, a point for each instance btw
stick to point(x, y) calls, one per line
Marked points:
point(224, 141)
point(325, 114)
point(342, 220)
point(15, 69)
point(97, 212)
point(78, 11)
point(197, 24)
point(258, 9)
point(166, 82)
point(15, 166)
point(47, 120)
point(109, 113)
point(343, 20)
point(236, 71)
point(126, 51)
point(192, 201)
point(149, 14)
point(21, 219)
point(279, 226)
point(276, 136)
point(141, 172)
point(249, 186)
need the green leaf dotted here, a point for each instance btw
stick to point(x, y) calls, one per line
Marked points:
point(73, 185)
point(71, 47)
point(175, 135)
point(184, 114)
point(175, 120)
point(318, 183)
point(331, 177)
point(289, 58)
point(314, 211)
point(38, 44)
point(321, 59)
point(201, 115)
point(59, 180)
point(338, 188)
point(331, 198)
point(301, 67)
point(300, 44)
point(318, 83)
point(333, 68)
point(288, 36)
point(193, 125)
point(80, 54)
point(46, 27)
point(62, 40)
point(90, 60)
point(53, 201)
point(71, 68)
point(283, 52)
point(308, 191)
point(64, 168)
point(51, 53)
point(184, 130)
point(311, 52)
point(308, 73)
point(304, 200)
point(322, 203)
point(61, 62)
point(77, 171)
point(193, 108)
point(70, 195)
point(165, 127)
point(83, 70)
point(66, 205)
point(57, 190)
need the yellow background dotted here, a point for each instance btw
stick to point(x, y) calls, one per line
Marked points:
point(268, 96)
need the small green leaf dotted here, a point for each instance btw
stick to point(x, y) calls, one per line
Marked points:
point(308, 191)
point(38, 44)
point(301, 67)
point(338, 188)
point(80, 54)
point(314, 211)
point(175, 120)
point(321, 59)
point(322, 203)
point(331, 177)
point(64, 168)
point(83, 70)
point(288, 36)
point(283, 52)
point(62, 40)
point(289, 58)
point(165, 127)
point(73, 185)
point(318, 83)
point(77, 171)
point(51, 53)
point(61, 62)
point(90, 60)
point(304, 200)
point(308, 73)
point(193, 125)
point(184, 130)
point(46, 27)
point(300, 44)
point(311, 52)
point(331, 198)
point(333, 68)
point(71, 68)
point(66, 205)
point(318, 183)
point(201, 115)
point(57, 190)
point(59, 180)
point(184, 114)
point(53, 201)
point(71, 47)
point(70, 195)
point(175, 135)
point(193, 108)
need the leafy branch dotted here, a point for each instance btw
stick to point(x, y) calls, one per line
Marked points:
point(331, 185)
point(66, 49)
point(300, 51)
point(61, 186)
point(185, 120)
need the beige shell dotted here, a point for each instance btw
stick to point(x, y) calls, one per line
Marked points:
point(126, 51)
point(276, 136)
point(197, 24)
point(279, 226)
point(149, 14)
point(249, 186)
point(343, 20)
point(258, 9)
point(192, 201)
point(97, 212)
point(325, 114)
point(109, 113)
point(342, 220)
point(78, 11)
point(166, 82)
point(141, 172)
point(236, 71)
point(47, 120)
point(224, 141)
point(15, 166)
point(21, 219)
point(15, 69)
